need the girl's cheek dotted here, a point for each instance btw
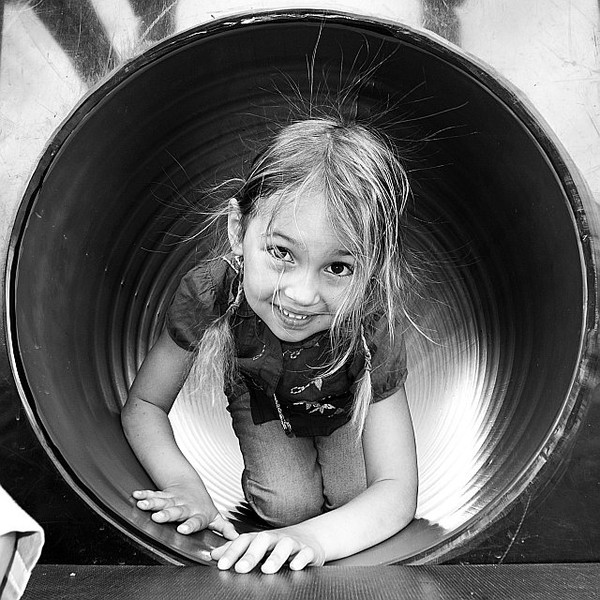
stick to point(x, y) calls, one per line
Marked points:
point(339, 286)
point(277, 267)
point(336, 294)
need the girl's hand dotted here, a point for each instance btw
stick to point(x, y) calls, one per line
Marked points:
point(277, 546)
point(186, 504)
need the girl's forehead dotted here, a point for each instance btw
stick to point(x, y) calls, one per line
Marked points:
point(304, 212)
point(302, 217)
point(294, 205)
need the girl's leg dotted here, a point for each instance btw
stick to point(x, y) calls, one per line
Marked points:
point(282, 478)
point(342, 463)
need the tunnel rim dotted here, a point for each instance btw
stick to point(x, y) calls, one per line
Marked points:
point(569, 179)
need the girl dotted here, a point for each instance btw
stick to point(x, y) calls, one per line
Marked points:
point(299, 324)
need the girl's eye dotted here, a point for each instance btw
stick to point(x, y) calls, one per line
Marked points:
point(340, 269)
point(280, 253)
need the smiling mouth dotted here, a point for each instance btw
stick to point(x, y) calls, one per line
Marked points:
point(291, 315)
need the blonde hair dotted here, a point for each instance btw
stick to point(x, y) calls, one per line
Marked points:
point(355, 168)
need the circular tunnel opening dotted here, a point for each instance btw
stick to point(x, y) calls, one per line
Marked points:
point(498, 370)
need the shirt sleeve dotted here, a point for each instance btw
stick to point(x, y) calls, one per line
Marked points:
point(388, 360)
point(29, 542)
point(194, 307)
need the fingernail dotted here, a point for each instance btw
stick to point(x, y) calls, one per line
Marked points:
point(223, 564)
point(267, 567)
point(143, 504)
point(242, 566)
point(184, 529)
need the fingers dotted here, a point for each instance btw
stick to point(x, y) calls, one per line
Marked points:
point(191, 525)
point(305, 557)
point(146, 494)
point(165, 505)
point(244, 553)
point(171, 513)
point(218, 524)
point(255, 552)
point(151, 500)
point(218, 552)
point(279, 555)
point(224, 527)
point(168, 507)
point(248, 550)
point(227, 555)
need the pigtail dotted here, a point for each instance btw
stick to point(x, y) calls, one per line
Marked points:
point(363, 392)
point(215, 363)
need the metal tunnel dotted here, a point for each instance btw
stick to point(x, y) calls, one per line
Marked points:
point(501, 370)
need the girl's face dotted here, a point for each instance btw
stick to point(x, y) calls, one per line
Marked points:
point(296, 271)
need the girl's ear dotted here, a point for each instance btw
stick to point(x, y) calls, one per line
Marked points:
point(234, 227)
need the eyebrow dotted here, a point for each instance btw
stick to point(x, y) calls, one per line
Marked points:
point(342, 252)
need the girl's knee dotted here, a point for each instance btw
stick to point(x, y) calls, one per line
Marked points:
point(340, 490)
point(285, 507)
point(282, 511)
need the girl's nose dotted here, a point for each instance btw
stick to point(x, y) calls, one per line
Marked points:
point(302, 289)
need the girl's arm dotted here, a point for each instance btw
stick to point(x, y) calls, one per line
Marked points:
point(182, 495)
point(384, 508)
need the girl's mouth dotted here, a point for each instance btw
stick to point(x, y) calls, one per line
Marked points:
point(291, 315)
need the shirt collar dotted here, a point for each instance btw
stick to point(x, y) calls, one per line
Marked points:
point(244, 310)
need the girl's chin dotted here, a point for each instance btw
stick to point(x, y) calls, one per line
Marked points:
point(288, 328)
point(295, 331)
point(295, 334)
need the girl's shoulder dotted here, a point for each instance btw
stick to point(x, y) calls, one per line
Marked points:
point(202, 297)
point(388, 355)
point(209, 283)
point(382, 335)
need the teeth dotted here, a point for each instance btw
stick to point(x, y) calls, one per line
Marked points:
point(292, 315)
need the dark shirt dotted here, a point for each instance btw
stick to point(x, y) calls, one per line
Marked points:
point(269, 367)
